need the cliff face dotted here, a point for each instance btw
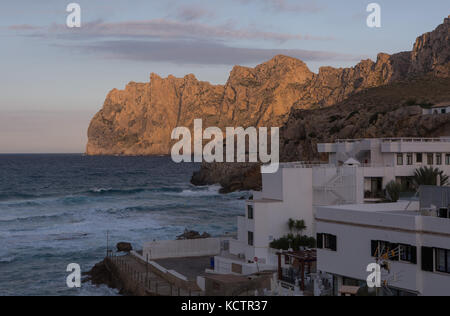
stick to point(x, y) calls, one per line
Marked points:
point(139, 119)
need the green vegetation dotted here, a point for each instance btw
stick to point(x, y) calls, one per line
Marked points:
point(393, 190)
point(429, 176)
point(295, 239)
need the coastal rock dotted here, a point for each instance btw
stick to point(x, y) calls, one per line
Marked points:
point(124, 247)
point(192, 234)
point(139, 119)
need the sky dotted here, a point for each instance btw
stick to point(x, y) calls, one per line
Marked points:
point(53, 79)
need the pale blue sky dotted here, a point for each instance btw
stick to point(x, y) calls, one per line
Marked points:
point(54, 79)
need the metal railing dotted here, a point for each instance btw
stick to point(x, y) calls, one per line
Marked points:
point(397, 139)
point(306, 164)
point(150, 282)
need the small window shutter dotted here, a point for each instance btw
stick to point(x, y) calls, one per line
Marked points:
point(413, 255)
point(374, 248)
point(333, 243)
point(427, 259)
point(319, 241)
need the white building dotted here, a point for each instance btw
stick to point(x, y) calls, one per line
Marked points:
point(441, 108)
point(350, 236)
point(356, 173)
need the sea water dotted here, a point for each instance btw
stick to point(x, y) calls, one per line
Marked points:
point(57, 209)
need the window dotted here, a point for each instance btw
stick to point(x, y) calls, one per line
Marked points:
point(399, 159)
point(447, 159)
point(409, 159)
point(419, 158)
point(327, 241)
point(250, 211)
point(443, 111)
point(427, 259)
point(250, 239)
point(430, 159)
point(442, 260)
point(439, 159)
point(443, 213)
point(408, 254)
point(394, 252)
point(319, 241)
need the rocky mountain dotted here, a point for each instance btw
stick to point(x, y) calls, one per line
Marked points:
point(139, 119)
point(393, 110)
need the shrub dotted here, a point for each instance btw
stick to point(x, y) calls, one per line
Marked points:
point(393, 190)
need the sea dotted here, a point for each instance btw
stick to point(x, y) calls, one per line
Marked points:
point(61, 209)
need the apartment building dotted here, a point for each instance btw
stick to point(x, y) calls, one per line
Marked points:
point(411, 238)
point(357, 172)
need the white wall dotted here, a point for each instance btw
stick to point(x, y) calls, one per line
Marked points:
point(182, 248)
point(354, 244)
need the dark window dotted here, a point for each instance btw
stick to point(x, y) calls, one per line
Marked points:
point(430, 159)
point(399, 159)
point(393, 252)
point(374, 248)
point(330, 242)
point(447, 159)
point(419, 158)
point(443, 111)
point(443, 260)
point(408, 254)
point(319, 241)
point(427, 259)
point(439, 159)
point(409, 159)
point(443, 213)
point(250, 239)
point(250, 211)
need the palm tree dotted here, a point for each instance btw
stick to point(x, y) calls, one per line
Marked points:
point(429, 176)
point(300, 226)
point(393, 190)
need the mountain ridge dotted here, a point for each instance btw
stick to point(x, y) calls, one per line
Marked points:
point(138, 120)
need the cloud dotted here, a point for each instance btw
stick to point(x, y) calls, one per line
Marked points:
point(23, 27)
point(199, 52)
point(168, 29)
point(191, 13)
point(288, 5)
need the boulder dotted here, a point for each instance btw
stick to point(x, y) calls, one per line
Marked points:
point(124, 247)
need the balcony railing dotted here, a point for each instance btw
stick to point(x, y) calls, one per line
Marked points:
point(306, 164)
point(398, 139)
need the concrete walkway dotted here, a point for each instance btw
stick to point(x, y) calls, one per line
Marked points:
point(140, 279)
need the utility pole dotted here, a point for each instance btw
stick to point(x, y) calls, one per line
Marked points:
point(107, 243)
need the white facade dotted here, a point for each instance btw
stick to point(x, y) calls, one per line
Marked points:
point(443, 108)
point(357, 227)
point(357, 172)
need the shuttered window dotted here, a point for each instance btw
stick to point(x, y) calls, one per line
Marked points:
point(319, 241)
point(427, 259)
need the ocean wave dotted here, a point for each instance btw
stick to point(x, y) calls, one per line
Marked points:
point(7, 259)
point(201, 191)
point(17, 195)
point(36, 218)
point(111, 191)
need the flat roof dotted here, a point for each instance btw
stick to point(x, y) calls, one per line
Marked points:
point(399, 207)
point(264, 200)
